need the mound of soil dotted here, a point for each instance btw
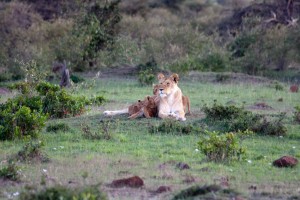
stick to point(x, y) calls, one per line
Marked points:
point(285, 161)
point(133, 182)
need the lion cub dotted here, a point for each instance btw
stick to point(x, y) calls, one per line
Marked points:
point(147, 108)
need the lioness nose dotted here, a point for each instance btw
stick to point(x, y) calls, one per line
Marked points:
point(160, 89)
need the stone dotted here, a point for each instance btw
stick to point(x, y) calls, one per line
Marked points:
point(133, 182)
point(285, 161)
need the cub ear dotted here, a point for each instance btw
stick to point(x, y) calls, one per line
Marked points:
point(161, 78)
point(139, 100)
point(148, 97)
point(175, 78)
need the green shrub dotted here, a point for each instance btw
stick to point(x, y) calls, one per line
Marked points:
point(44, 87)
point(213, 62)
point(98, 100)
point(32, 151)
point(58, 127)
point(172, 127)
point(104, 131)
point(273, 127)
point(19, 122)
point(222, 147)
point(60, 104)
point(233, 119)
point(10, 172)
point(62, 192)
point(297, 114)
point(76, 78)
point(206, 192)
point(221, 112)
point(146, 77)
point(22, 87)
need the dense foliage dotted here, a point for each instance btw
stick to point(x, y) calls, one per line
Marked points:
point(255, 37)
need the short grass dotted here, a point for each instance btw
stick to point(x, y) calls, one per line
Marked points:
point(133, 150)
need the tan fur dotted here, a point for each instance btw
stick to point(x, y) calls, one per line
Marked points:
point(185, 99)
point(170, 101)
point(148, 108)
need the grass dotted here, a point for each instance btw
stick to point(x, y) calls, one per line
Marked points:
point(134, 151)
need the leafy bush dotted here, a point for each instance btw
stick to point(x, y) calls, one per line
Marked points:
point(44, 87)
point(271, 127)
point(76, 78)
point(146, 77)
point(222, 147)
point(233, 119)
point(61, 192)
point(104, 131)
point(220, 112)
point(22, 87)
point(297, 114)
point(32, 151)
point(98, 100)
point(58, 127)
point(60, 104)
point(172, 127)
point(19, 122)
point(10, 172)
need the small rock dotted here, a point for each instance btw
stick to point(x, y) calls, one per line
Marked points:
point(285, 161)
point(294, 88)
point(162, 189)
point(134, 182)
point(182, 166)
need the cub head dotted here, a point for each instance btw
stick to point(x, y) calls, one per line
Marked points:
point(149, 102)
point(166, 85)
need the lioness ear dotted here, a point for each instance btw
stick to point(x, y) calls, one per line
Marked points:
point(175, 78)
point(160, 77)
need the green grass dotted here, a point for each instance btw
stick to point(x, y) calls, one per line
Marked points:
point(134, 151)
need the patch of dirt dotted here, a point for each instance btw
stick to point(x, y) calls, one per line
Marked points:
point(261, 106)
point(4, 90)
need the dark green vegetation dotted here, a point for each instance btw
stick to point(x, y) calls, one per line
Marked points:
point(254, 37)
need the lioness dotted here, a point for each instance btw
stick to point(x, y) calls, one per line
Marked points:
point(170, 101)
point(185, 99)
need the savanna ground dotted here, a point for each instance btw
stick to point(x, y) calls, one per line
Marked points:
point(132, 150)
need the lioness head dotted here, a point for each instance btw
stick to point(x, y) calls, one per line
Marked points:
point(166, 85)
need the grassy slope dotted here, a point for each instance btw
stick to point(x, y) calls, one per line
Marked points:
point(134, 151)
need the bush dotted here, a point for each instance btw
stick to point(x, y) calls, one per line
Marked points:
point(98, 100)
point(44, 87)
point(222, 147)
point(297, 114)
point(234, 119)
point(104, 131)
point(58, 127)
point(19, 122)
point(10, 172)
point(60, 104)
point(220, 112)
point(32, 151)
point(172, 127)
point(146, 77)
point(61, 192)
